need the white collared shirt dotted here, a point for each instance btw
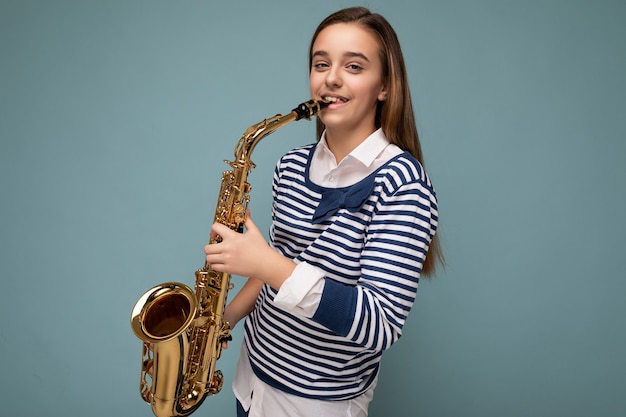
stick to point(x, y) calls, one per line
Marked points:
point(300, 294)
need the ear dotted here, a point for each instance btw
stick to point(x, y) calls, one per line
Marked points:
point(382, 95)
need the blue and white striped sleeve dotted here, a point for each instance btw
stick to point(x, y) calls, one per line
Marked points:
point(373, 312)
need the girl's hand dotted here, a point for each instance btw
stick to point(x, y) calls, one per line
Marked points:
point(237, 253)
point(247, 254)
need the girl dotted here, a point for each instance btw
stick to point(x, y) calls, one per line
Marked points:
point(353, 228)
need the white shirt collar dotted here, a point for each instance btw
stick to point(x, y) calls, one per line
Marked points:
point(365, 153)
point(361, 162)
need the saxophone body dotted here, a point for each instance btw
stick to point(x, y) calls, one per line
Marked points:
point(182, 330)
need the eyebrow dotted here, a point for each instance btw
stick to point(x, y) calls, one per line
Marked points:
point(348, 54)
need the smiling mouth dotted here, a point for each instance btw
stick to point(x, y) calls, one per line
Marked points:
point(335, 99)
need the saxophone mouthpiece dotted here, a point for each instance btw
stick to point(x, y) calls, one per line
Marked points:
point(309, 108)
point(323, 103)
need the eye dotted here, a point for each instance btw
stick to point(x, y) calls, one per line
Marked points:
point(320, 65)
point(354, 67)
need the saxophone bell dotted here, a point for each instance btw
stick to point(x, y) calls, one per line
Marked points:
point(163, 312)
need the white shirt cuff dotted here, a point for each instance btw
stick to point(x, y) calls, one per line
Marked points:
point(301, 293)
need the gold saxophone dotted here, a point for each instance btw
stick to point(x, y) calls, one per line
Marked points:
point(183, 331)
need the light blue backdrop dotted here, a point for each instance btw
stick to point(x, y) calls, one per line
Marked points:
point(115, 117)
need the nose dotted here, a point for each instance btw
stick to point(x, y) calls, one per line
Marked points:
point(333, 77)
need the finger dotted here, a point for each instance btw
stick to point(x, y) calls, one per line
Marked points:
point(213, 256)
point(211, 249)
point(219, 229)
point(214, 249)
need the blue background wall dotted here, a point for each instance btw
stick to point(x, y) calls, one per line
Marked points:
point(115, 117)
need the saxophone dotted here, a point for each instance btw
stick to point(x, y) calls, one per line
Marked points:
point(182, 331)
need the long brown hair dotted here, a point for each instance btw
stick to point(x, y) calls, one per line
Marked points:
point(395, 114)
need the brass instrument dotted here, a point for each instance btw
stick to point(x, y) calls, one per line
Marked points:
point(183, 331)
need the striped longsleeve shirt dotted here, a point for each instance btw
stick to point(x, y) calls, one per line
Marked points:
point(371, 255)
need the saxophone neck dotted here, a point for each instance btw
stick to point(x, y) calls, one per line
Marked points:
point(253, 135)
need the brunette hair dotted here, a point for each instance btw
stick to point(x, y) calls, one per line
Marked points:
point(395, 114)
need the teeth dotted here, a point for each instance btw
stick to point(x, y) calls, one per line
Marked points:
point(333, 99)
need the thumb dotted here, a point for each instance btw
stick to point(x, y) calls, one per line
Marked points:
point(250, 226)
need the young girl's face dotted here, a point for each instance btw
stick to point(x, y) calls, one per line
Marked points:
point(346, 68)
